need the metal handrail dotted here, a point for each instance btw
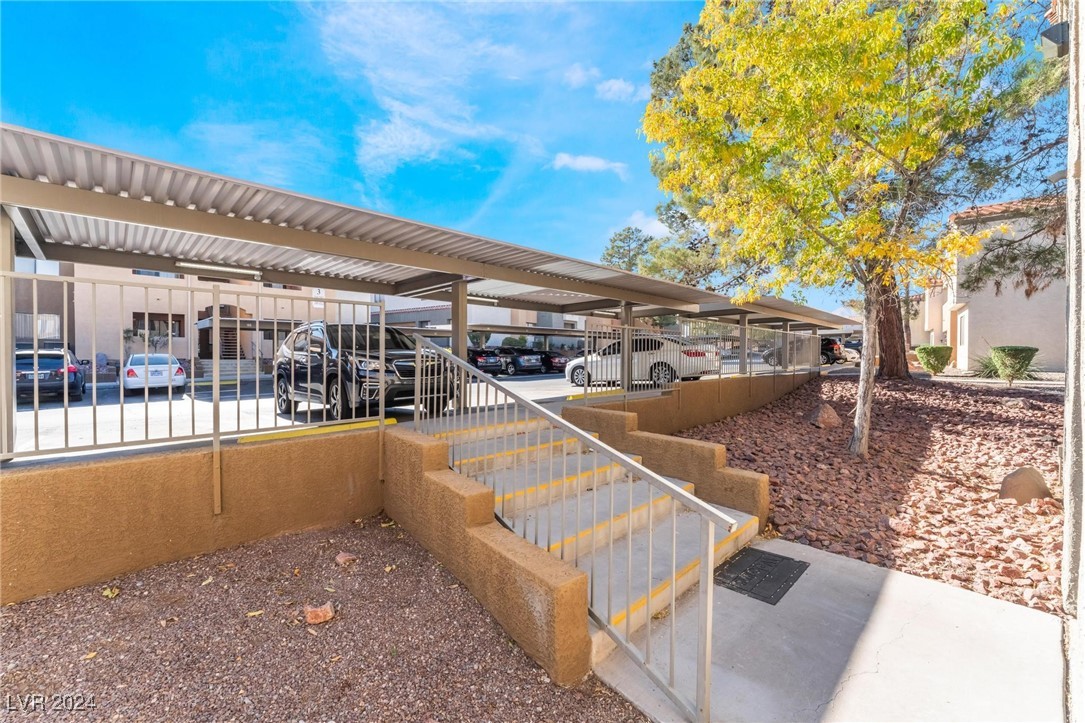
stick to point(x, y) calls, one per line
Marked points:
point(595, 445)
point(443, 380)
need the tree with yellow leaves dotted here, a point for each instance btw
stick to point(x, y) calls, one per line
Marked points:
point(827, 139)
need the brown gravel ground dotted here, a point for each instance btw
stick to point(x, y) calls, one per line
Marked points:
point(926, 501)
point(183, 641)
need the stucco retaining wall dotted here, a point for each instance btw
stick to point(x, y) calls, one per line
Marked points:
point(540, 601)
point(708, 400)
point(68, 524)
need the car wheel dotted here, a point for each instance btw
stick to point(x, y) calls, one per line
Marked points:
point(662, 374)
point(283, 403)
point(579, 377)
point(78, 396)
point(825, 359)
point(510, 369)
point(335, 399)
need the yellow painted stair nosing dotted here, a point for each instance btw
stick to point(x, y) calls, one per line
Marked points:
point(620, 616)
point(688, 487)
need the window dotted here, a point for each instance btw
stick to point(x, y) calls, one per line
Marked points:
point(160, 324)
point(289, 287)
point(301, 342)
point(644, 344)
point(570, 325)
point(159, 274)
point(610, 350)
point(48, 326)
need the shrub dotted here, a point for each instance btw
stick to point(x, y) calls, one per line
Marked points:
point(934, 358)
point(1013, 362)
point(984, 367)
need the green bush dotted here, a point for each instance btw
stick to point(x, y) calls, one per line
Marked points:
point(984, 367)
point(934, 358)
point(1013, 362)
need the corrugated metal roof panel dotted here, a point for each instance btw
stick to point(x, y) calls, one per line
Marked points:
point(37, 156)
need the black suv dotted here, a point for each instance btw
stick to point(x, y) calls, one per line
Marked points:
point(338, 366)
point(515, 360)
point(54, 368)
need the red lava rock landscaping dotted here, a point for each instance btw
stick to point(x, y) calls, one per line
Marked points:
point(223, 637)
point(926, 501)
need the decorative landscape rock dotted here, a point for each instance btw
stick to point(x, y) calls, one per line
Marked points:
point(1024, 485)
point(824, 416)
point(318, 615)
point(345, 558)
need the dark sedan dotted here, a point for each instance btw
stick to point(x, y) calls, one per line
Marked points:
point(54, 369)
point(486, 360)
point(515, 360)
point(553, 361)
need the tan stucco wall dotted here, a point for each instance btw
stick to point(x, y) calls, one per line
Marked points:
point(708, 400)
point(690, 460)
point(64, 525)
point(539, 600)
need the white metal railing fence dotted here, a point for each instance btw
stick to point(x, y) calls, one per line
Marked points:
point(560, 488)
point(660, 359)
point(171, 361)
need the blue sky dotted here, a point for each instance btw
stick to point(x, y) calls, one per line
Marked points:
point(515, 121)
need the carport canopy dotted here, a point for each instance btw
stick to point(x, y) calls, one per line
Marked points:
point(71, 201)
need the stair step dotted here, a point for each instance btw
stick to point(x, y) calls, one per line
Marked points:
point(497, 453)
point(633, 601)
point(488, 431)
point(567, 525)
point(519, 491)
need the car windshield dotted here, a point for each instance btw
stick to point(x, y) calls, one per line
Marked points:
point(367, 338)
point(46, 362)
point(153, 360)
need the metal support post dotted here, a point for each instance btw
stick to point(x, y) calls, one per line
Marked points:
point(743, 344)
point(459, 319)
point(627, 346)
point(785, 345)
point(216, 440)
point(7, 337)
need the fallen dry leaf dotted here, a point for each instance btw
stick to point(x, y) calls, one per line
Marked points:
point(90, 656)
point(389, 568)
point(207, 581)
point(111, 592)
point(389, 523)
point(254, 613)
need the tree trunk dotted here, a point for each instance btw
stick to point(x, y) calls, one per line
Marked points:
point(891, 344)
point(864, 401)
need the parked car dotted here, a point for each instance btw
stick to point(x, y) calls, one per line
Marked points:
point(338, 366)
point(54, 369)
point(486, 360)
point(831, 353)
point(152, 371)
point(853, 349)
point(515, 360)
point(553, 361)
point(656, 359)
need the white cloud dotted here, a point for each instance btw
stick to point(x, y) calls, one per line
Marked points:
point(620, 89)
point(649, 224)
point(577, 76)
point(421, 63)
point(589, 164)
point(280, 153)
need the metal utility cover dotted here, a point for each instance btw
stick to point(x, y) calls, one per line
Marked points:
point(764, 576)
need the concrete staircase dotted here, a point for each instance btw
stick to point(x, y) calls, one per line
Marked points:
point(639, 546)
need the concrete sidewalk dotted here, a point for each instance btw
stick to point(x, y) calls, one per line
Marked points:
point(856, 642)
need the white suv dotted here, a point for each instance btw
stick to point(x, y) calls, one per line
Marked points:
point(656, 359)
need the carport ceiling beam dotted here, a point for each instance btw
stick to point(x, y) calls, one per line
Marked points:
point(121, 259)
point(445, 295)
point(591, 306)
point(28, 230)
point(422, 284)
point(78, 202)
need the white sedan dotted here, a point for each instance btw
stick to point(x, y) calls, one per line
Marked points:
point(656, 359)
point(152, 371)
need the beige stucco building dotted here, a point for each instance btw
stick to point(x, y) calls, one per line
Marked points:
point(973, 322)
